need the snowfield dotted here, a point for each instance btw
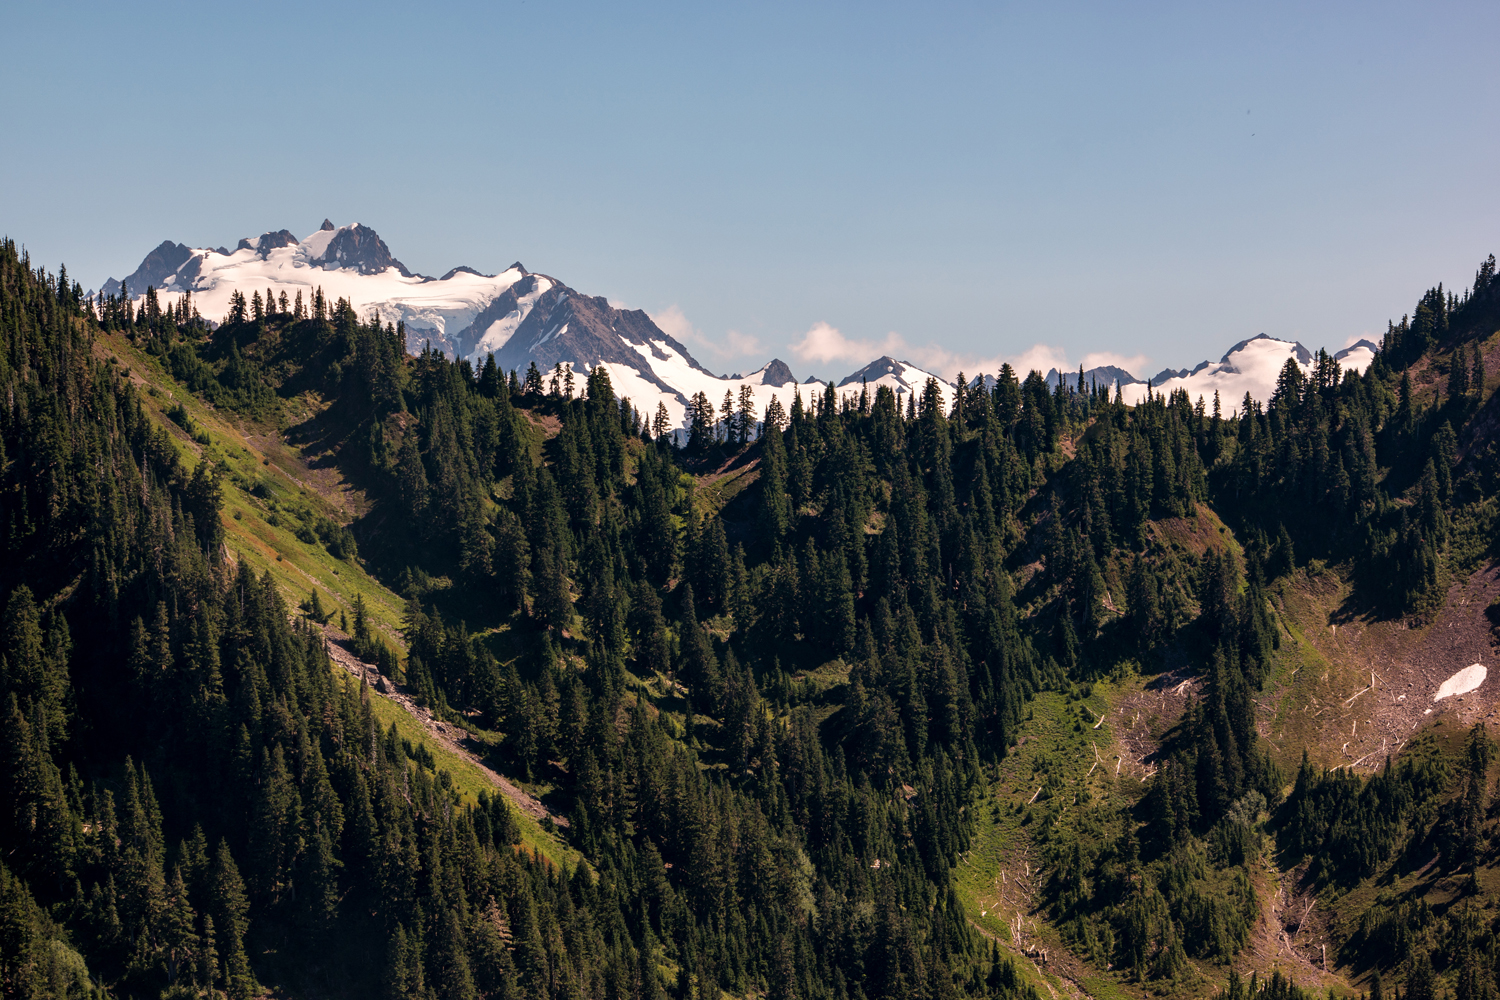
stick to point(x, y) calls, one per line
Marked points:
point(1466, 680)
point(443, 312)
point(687, 379)
point(1251, 366)
point(442, 306)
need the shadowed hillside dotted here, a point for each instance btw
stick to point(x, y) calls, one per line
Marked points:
point(1009, 690)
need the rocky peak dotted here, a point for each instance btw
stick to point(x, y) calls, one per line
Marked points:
point(777, 373)
point(877, 369)
point(159, 265)
point(361, 248)
point(464, 269)
point(1105, 375)
point(266, 242)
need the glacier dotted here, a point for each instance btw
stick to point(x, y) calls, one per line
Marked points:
point(524, 318)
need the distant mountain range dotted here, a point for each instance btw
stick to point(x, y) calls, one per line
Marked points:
point(1251, 366)
point(524, 318)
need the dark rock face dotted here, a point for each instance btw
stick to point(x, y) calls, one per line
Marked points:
point(327, 227)
point(1109, 374)
point(464, 269)
point(1167, 373)
point(267, 242)
point(159, 265)
point(879, 368)
point(777, 373)
point(1103, 374)
point(361, 248)
point(1341, 355)
point(582, 330)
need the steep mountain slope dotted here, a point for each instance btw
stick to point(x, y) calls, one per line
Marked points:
point(285, 512)
point(278, 825)
point(932, 694)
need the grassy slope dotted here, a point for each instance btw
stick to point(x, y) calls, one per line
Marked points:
point(1302, 704)
point(1056, 752)
point(1054, 760)
point(256, 458)
point(1325, 660)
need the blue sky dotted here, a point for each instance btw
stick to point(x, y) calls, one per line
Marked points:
point(956, 184)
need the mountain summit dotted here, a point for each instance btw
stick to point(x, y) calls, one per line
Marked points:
point(525, 318)
point(522, 318)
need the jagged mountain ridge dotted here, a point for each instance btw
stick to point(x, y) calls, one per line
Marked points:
point(521, 317)
point(526, 318)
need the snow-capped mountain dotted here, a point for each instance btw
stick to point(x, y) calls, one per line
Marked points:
point(523, 318)
point(901, 377)
point(520, 317)
point(1249, 366)
point(350, 262)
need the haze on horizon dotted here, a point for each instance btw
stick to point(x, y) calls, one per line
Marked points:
point(956, 185)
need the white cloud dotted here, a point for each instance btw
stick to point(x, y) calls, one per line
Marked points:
point(739, 345)
point(675, 324)
point(1040, 357)
point(941, 361)
point(1134, 364)
point(823, 343)
point(947, 364)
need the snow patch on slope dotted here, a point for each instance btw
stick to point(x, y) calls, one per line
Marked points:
point(498, 333)
point(1466, 680)
point(684, 376)
point(317, 243)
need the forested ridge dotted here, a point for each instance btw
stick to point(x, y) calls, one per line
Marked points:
point(771, 715)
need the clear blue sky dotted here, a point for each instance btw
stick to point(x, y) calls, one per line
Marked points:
point(957, 182)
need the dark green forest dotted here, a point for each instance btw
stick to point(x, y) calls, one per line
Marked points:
point(195, 804)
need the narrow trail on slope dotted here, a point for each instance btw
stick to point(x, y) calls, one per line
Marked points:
point(451, 737)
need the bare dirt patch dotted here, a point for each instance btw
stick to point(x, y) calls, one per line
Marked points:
point(1293, 933)
point(1141, 720)
point(550, 423)
point(1196, 534)
point(1379, 677)
point(313, 467)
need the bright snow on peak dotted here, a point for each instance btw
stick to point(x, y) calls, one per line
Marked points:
point(524, 318)
point(1251, 366)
